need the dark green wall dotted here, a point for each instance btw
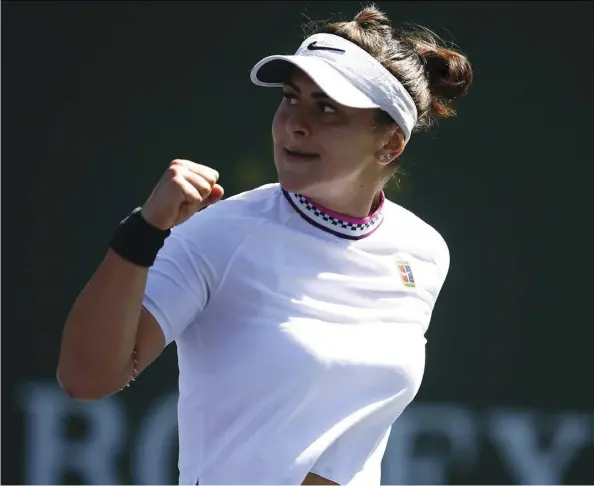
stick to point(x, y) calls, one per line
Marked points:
point(99, 97)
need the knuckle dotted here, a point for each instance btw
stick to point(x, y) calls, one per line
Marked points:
point(203, 187)
point(207, 173)
point(172, 171)
point(178, 180)
point(194, 198)
point(199, 181)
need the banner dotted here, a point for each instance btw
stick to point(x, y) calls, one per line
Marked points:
point(429, 443)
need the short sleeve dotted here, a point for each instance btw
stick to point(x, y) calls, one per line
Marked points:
point(183, 276)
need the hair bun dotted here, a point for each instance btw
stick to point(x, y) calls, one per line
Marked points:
point(449, 72)
point(370, 18)
point(435, 75)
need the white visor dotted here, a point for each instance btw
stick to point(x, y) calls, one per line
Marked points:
point(346, 73)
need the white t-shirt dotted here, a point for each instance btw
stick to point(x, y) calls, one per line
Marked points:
point(300, 335)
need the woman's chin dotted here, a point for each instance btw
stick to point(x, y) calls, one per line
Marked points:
point(294, 184)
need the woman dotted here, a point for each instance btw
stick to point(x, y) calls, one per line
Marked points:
point(299, 308)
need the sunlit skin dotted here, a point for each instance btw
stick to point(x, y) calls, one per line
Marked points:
point(346, 174)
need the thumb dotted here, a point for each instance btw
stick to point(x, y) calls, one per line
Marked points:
point(215, 194)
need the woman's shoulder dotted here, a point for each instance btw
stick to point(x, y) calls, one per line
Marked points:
point(237, 215)
point(404, 224)
point(254, 199)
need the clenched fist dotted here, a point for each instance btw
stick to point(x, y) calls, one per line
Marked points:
point(186, 187)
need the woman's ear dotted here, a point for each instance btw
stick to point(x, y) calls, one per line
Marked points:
point(393, 143)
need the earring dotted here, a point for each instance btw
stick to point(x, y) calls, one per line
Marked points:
point(384, 157)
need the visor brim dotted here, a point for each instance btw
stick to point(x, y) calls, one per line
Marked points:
point(274, 71)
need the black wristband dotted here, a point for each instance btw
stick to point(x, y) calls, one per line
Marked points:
point(138, 241)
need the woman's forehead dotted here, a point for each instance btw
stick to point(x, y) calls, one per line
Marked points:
point(301, 81)
point(303, 84)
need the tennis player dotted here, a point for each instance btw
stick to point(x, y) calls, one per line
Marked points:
point(298, 308)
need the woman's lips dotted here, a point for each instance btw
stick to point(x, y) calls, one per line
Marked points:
point(299, 156)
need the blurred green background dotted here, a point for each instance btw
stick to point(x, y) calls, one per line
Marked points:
point(98, 97)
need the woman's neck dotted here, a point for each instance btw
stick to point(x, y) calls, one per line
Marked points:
point(358, 206)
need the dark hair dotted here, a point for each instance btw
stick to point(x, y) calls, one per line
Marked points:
point(434, 75)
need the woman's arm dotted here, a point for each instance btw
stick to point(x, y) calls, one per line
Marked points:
point(106, 325)
point(315, 480)
point(109, 335)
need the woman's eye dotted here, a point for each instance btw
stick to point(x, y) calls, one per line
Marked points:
point(326, 108)
point(292, 100)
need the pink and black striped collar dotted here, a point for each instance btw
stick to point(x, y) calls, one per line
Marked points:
point(331, 222)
